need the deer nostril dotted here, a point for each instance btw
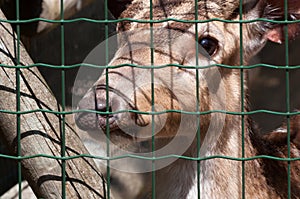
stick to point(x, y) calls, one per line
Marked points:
point(102, 107)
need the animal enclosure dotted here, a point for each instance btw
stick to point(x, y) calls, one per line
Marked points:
point(60, 68)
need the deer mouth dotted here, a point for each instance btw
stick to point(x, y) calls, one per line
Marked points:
point(108, 123)
point(93, 121)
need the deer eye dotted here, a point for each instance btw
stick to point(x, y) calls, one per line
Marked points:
point(209, 44)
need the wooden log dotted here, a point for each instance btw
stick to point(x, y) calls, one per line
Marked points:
point(51, 10)
point(46, 9)
point(40, 132)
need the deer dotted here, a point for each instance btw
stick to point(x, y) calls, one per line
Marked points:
point(122, 91)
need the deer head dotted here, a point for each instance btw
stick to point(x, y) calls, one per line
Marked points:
point(174, 43)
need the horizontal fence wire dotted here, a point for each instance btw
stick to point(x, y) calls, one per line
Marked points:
point(146, 21)
point(279, 67)
point(149, 158)
point(154, 112)
point(106, 21)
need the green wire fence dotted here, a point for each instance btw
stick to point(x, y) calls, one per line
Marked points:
point(106, 22)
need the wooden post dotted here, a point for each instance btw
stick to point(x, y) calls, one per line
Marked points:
point(46, 9)
point(40, 132)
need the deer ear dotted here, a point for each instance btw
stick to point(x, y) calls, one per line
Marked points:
point(274, 10)
point(295, 129)
point(277, 34)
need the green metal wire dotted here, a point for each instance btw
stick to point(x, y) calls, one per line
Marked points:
point(279, 67)
point(153, 190)
point(108, 179)
point(153, 113)
point(287, 95)
point(151, 158)
point(63, 101)
point(18, 100)
point(242, 96)
point(146, 21)
point(197, 101)
point(63, 158)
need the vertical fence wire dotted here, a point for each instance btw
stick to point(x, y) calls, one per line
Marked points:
point(242, 95)
point(108, 178)
point(197, 108)
point(287, 95)
point(63, 100)
point(153, 190)
point(18, 100)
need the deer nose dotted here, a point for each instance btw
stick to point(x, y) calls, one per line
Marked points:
point(95, 100)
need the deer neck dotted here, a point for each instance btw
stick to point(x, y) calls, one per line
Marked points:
point(222, 178)
point(219, 177)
